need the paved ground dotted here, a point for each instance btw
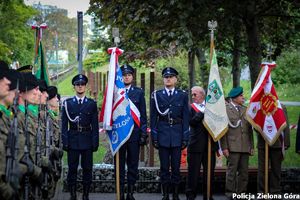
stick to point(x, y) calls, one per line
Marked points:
point(140, 196)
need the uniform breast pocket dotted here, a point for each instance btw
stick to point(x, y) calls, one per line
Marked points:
point(162, 107)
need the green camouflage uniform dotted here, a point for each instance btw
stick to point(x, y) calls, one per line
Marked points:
point(32, 126)
point(6, 191)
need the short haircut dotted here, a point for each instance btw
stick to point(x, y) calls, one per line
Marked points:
point(200, 89)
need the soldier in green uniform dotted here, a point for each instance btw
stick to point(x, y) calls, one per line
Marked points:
point(28, 93)
point(4, 82)
point(237, 144)
point(8, 190)
point(56, 150)
point(276, 156)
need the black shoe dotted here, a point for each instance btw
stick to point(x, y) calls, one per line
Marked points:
point(73, 192)
point(165, 189)
point(122, 196)
point(130, 192)
point(176, 192)
point(85, 194)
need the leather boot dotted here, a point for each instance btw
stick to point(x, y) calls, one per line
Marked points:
point(165, 189)
point(130, 192)
point(176, 192)
point(73, 192)
point(122, 197)
point(85, 194)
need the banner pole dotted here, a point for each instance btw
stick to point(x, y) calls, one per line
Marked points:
point(118, 175)
point(212, 25)
point(208, 167)
point(266, 168)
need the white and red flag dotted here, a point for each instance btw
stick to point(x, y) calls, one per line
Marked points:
point(264, 111)
point(116, 114)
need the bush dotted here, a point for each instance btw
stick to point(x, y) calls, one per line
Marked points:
point(288, 67)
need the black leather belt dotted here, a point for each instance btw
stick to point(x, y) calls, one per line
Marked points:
point(80, 128)
point(171, 120)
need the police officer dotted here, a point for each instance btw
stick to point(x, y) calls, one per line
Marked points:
point(80, 135)
point(237, 144)
point(129, 152)
point(169, 129)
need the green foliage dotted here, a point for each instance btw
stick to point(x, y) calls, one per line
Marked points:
point(16, 38)
point(96, 59)
point(66, 30)
point(179, 62)
point(288, 67)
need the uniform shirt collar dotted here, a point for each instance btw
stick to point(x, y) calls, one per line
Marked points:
point(236, 106)
point(82, 98)
point(167, 90)
point(128, 88)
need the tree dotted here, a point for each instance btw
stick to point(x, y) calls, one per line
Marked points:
point(16, 38)
point(161, 23)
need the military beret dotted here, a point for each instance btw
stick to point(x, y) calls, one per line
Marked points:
point(169, 71)
point(42, 85)
point(79, 78)
point(14, 76)
point(234, 92)
point(52, 92)
point(3, 69)
point(29, 82)
point(127, 69)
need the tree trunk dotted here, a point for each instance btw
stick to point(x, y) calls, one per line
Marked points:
point(236, 69)
point(200, 54)
point(191, 66)
point(254, 50)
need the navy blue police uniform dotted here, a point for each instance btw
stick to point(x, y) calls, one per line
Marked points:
point(169, 130)
point(129, 152)
point(80, 135)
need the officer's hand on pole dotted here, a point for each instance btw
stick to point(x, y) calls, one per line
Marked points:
point(226, 153)
point(155, 144)
point(184, 144)
point(143, 139)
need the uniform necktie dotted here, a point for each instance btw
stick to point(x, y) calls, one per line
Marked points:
point(126, 91)
point(170, 93)
point(238, 108)
point(80, 101)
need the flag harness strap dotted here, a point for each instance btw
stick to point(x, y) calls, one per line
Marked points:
point(157, 108)
point(76, 119)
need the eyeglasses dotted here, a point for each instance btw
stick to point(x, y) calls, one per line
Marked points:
point(80, 84)
point(194, 94)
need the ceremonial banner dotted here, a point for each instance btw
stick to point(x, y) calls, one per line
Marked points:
point(116, 113)
point(215, 115)
point(42, 70)
point(264, 111)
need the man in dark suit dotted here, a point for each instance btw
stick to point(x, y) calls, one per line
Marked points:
point(198, 146)
point(169, 129)
point(129, 152)
point(80, 135)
